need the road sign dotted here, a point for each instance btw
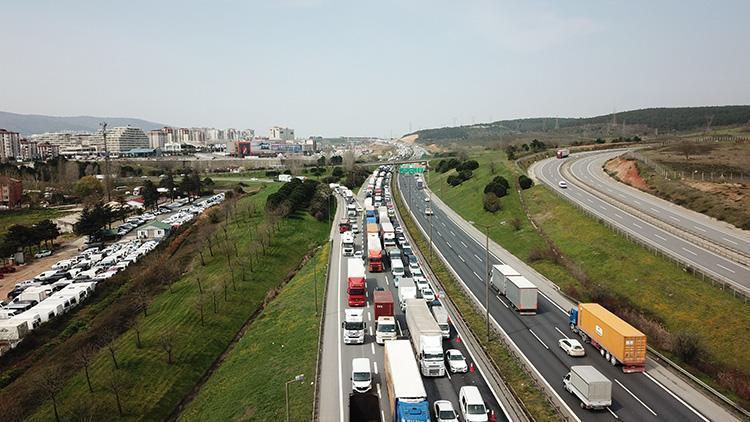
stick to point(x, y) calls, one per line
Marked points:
point(411, 170)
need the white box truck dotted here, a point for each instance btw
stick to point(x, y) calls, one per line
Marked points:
point(397, 267)
point(388, 234)
point(522, 294)
point(592, 388)
point(407, 289)
point(426, 338)
point(499, 275)
point(442, 319)
point(347, 243)
point(407, 397)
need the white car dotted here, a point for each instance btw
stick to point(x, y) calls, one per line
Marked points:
point(358, 254)
point(444, 411)
point(428, 211)
point(572, 347)
point(399, 229)
point(428, 294)
point(355, 228)
point(427, 199)
point(563, 184)
point(420, 282)
point(42, 253)
point(456, 361)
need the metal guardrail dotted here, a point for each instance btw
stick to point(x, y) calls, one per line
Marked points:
point(715, 278)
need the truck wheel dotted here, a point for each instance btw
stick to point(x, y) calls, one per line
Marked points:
point(602, 352)
point(584, 337)
point(583, 406)
point(572, 328)
point(608, 356)
point(613, 361)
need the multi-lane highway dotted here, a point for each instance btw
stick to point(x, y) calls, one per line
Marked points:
point(638, 396)
point(587, 170)
point(336, 358)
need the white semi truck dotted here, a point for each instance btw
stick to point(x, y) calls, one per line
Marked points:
point(426, 338)
point(354, 326)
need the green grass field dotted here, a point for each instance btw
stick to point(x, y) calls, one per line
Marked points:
point(27, 217)
point(150, 387)
point(656, 289)
point(281, 343)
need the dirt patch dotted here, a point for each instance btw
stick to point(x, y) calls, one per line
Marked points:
point(732, 191)
point(626, 171)
point(410, 139)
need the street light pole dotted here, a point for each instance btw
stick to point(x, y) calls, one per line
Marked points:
point(106, 163)
point(298, 378)
point(487, 279)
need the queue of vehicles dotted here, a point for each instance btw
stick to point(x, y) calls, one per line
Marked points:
point(70, 281)
point(406, 360)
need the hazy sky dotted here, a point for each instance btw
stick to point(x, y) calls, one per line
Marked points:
point(368, 68)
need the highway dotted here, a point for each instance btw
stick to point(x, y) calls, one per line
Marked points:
point(336, 358)
point(585, 170)
point(638, 396)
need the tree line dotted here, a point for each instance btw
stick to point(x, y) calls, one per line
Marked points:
point(24, 238)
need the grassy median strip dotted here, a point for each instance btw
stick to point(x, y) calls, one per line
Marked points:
point(160, 359)
point(280, 344)
point(506, 362)
point(674, 308)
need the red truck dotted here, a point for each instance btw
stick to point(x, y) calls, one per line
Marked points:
point(383, 301)
point(356, 284)
point(344, 225)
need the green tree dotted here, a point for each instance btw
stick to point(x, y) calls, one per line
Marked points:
point(93, 219)
point(150, 194)
point(48, 231)
point(168, 183)
point(88, 187)
point(491, 202)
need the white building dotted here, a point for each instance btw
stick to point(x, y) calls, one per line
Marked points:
point(10, 144)
point(70, 143)
point(157, 138)
point(281, 134)
point(28, 150)
point(123, 139)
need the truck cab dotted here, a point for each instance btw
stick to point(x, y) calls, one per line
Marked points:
point(354, 326)
point(347, 244)
point(386, 329)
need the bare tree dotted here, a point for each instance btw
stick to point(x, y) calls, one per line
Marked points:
point(203, 261)
point(166, 341)
point(348, 160)
point(109, 343)
point(210, 247)
point(50, 381)
point(493, 167)
point(200, 288)
point(84, 356)
point(115, 385)
point(688, 149)
point(213, 296)
point(141, 298)
point(137, 328)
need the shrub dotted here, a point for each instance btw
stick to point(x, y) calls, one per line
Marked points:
point(491, 202)
point(499, 186)
point(454, 180)
point(465, 174)
point(525, 182)
point(468, 165)
point(687, 346)
point(337, 172)
point(501, 180)
point(271, 173)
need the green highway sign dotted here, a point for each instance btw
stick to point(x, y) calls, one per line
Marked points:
point(410, 170)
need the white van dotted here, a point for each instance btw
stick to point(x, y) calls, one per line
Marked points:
point(471, 404)
point(361, 376)
point(397, 267)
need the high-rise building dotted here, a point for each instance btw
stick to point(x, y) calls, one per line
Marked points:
point(123, 139)
point(281, 134)
point(157, 138)
point(47, 150)
point(29, 151)
point(10, 145)
point(68, 143)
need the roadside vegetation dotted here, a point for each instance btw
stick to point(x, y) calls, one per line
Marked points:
point(507, 364)
point(280, 344)
point(147, 337)
point(592, 263)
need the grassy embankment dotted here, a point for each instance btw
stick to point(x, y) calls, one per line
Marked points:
point(280, 344)
point(655, 295)
point(149, 387)
point(27, 217)
point(508, 366)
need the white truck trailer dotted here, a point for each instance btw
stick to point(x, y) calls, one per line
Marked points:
point(426, 338)
point(441, 317)
point(500, 273)
point(592, 388)
point(407, 289)
point(522, 294)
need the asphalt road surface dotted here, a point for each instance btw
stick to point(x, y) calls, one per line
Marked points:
point(337, 357)
point(548, 171)
point(637, 396)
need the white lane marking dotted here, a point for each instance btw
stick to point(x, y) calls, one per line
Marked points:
point(555, 304)
point(563, 334)
point(475, 273)
point(589, 199)
point(638, 225)
point(636, 201)
point(443, 224)
point(654, 210)
point(369, 318)
point(464, 244)
point(398, 325)
point(477, 257)
point(370, 327)
point(603, 207)
point(660, 237)
point(618, 216)
point(386, 281)
point(635, 397)
point(375, 366)
point(382, 412)
point(449, 245)
point(730, 241)
point(688, 250)
point(372, 347)
point(378, 384)
point(438, 233)
point(338, 315)
point(728, 269)
point(613, 413)
point(462, 259)
point(674, 218)
point(447, 372)
point(537, 337)
point(676, 397)
point(452, 234)
point(700, 228)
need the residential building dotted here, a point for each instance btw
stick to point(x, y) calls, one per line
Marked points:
point(157, 138)
point(122, 139)
point(10, 146)
point(29, 150)
point(71, 143)
point(47, 150)
point(11, 191)
point(281, 134)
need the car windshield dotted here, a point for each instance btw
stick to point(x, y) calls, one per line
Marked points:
point(387, 328)
point(413, 259)
point(476, 409)
point(354, 325)
point(361, 376)
point(447, 414)
point(455, 356)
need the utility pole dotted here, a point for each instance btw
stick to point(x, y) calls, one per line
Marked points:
point(487, 278)
point(106, 163)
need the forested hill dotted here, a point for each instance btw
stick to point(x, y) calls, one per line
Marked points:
point(663, 119)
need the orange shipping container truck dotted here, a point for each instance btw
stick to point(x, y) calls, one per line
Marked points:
point(372, 228)
point(616, 340)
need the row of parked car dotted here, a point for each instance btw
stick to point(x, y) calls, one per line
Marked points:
point(69, 281)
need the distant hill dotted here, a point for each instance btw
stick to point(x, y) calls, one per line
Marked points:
point(29, 124)
point(663, 119)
